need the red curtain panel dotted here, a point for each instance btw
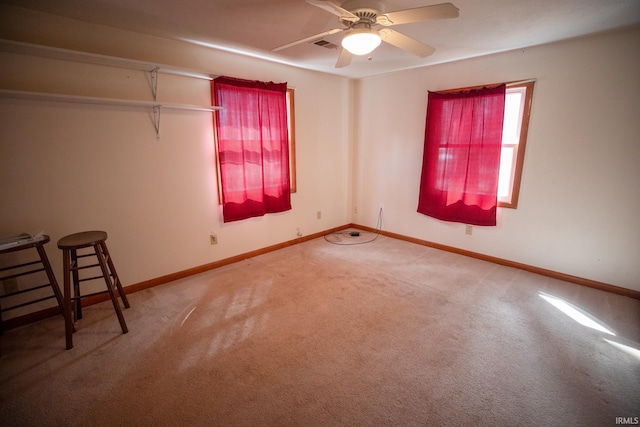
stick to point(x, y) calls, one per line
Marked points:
point(461, 158)
point(253, 149)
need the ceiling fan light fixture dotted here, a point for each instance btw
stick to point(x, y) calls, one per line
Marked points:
point(361, 41)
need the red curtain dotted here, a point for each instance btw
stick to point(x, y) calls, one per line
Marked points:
point(461, 159)
point(253, 147)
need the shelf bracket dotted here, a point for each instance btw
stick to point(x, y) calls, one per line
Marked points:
point(156, 121)
point(154, 82)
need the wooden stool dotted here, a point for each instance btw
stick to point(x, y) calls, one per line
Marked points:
point(70, 245)
point(24, 269)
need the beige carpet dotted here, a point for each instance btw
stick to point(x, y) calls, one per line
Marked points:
point(317, 334)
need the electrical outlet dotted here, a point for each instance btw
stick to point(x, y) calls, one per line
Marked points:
point(319, 215)
point(468, 229)
point(214, 238)
point(298, 232)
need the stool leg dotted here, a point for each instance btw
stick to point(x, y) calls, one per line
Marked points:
point(68, 322)
point(52, 278)
point(77, 313)
point(54, 283)
point(110, 288)
point(116, 279)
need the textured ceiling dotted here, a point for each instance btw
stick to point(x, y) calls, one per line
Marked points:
point(257, 26)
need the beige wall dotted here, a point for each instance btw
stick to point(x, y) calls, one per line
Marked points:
point(71, 167)
point(580, 193)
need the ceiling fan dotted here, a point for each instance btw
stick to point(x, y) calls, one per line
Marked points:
point(366, 24)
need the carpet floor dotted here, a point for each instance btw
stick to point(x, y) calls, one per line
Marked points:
point(322, 334)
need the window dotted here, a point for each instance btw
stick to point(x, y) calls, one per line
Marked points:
point(518, 100)
point(291, 120)
point(461, 158)
point(514, 137)
point(253, 143)
point(474, 151)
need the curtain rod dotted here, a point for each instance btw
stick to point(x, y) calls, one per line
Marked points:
point(491, 85)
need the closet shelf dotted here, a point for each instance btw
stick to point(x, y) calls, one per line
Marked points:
point(78, 99)
point(104, 60)
point(94, 58)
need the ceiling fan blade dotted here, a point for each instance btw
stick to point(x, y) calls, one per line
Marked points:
point(308, 39)
point(405, 42)
point(419, 14)
point(344, 14)
point(344, 59)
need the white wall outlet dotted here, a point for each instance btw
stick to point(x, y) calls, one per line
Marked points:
point(468, 229)
point(319, 214)
point(298, 232)
point(213, 238)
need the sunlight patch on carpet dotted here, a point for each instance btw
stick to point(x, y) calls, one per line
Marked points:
point(626, 348)
point(248, 298)
point(575, 313)
point(187, 316)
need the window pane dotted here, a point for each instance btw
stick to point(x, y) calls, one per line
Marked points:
point(512, 116)
point(517, 99)
point(506, 171)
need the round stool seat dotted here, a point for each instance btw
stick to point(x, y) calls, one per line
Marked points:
point(82, 240)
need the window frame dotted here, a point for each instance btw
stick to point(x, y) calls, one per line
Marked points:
point(516, 179)
point(291, 118)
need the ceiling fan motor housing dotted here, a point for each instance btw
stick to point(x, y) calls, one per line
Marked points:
point(366, 10)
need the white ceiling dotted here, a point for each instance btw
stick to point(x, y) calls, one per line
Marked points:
point(257, 26)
